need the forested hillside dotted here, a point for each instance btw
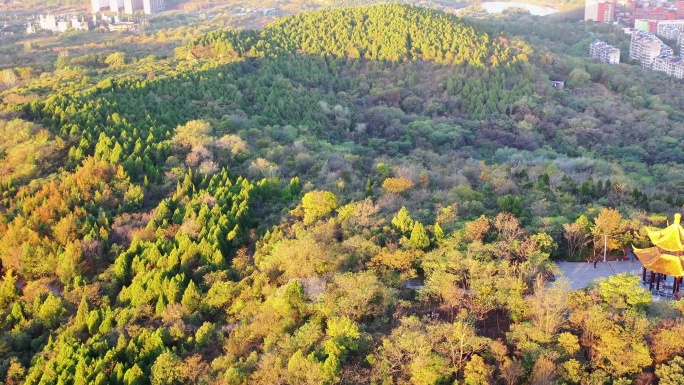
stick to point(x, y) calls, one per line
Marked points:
point(359, 195)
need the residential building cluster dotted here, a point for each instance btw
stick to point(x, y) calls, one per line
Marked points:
point(66, 23)
point(670, 29)
point(652, 53)
point(644, 15)
point(54, 23)
point(645, 47)
point(251, 11)
point(130, 7)
point(652, 21)
point(646, 25)
point(604, 52)
point(654, 13)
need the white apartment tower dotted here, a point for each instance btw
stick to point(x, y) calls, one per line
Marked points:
point(130, 6)
point(98, 5)
point(115, 5)
point(153, 6)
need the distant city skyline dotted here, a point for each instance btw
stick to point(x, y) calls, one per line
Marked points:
point(148, 7)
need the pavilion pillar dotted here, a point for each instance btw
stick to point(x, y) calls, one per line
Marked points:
point(658, 282)
point(674, 286)
point(650, 281)
point(643, 273)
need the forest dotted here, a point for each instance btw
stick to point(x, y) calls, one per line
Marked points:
point(365, 195)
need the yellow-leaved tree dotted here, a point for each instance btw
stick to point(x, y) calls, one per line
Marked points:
point(317, 204)
point(608, 225)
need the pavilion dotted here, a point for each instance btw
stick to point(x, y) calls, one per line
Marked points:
point(665, 258)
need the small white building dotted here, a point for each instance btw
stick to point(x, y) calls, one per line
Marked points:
point(78, 24)
point(48, 23)
point(62, 25)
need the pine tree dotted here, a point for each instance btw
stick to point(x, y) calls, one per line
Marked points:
point(134, 376)
point(81, 319)
point(161, 305)
point(80, 378)
point(419, 238)
point(402, 221)
point(8, 292)
point(438, 232)
point(17, 314)
point(93, 322)
point(191, 298)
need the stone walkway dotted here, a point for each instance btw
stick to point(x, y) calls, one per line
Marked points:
point(581, 274)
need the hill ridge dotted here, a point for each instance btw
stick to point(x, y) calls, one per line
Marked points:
point(391, 32)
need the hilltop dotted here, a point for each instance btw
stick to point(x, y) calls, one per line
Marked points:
point(385, 33)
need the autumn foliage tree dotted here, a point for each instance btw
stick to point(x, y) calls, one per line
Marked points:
point(318, 204)
point(397, 185)
point(607, 226)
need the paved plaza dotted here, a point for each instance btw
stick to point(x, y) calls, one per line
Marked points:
point(581, 274)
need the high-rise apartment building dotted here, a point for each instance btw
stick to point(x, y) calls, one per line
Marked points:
point(98, 5)
point(131, 6)
point(604, 52)
point(115, 5)
point(599, 10)
point(153, 6)
point(646, 47)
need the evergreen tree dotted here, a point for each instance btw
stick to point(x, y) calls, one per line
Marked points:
point(161, 305)
point(438, 232)
point(402, 221)
point(191, 298)
point(419, 238)
point(81, 319)
point(369, 189)
point(8, 290)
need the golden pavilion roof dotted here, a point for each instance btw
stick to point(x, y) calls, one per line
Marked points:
point(670, 238)
point(658, 262)
point(659, 258)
